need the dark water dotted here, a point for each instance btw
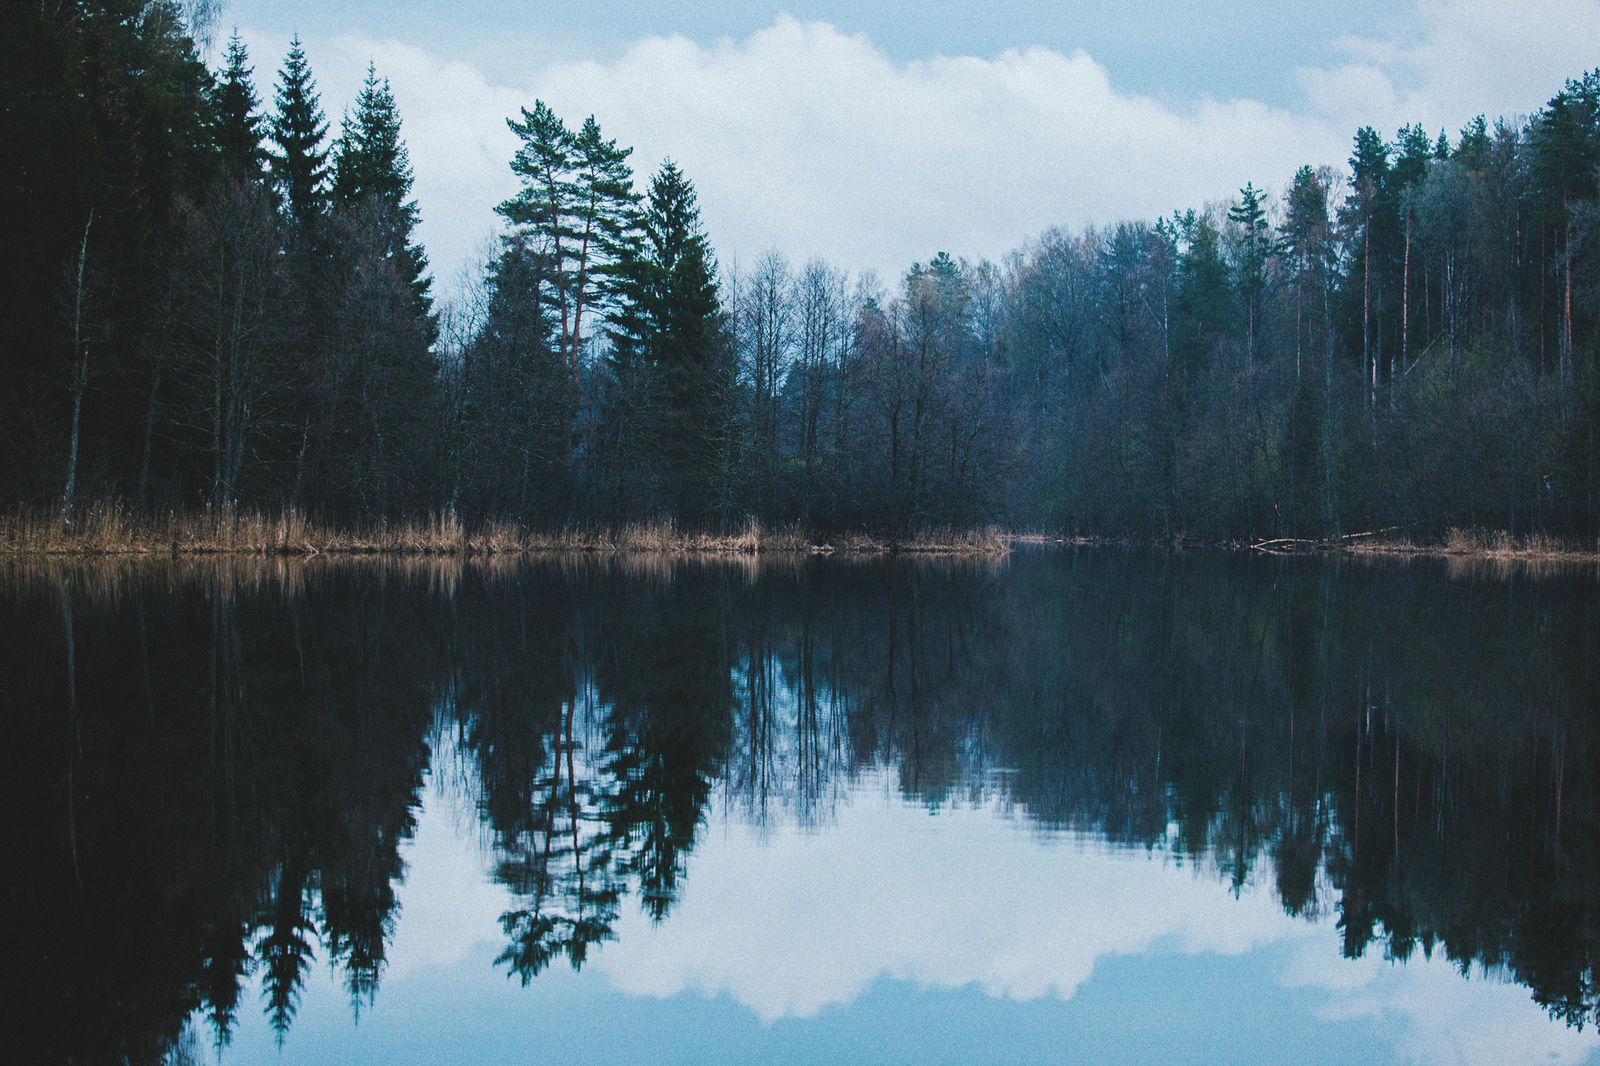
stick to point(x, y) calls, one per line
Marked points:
point(1071, 806)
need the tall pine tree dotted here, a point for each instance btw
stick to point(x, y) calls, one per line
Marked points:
point(668, 320)
point(372, 168)
point(300, 164)
point(238, 134)
point(577, 206)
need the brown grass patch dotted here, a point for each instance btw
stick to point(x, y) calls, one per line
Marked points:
point(110, 529)
point(1499, 544)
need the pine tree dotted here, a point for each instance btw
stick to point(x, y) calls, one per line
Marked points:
point(1256, 247)
point(1374, 214)
point(300, 165)
point(1204, 295)
point(667, 319)
point(1305, 240)
point(1474, 146)
point(371, 166)
point(577, 202)
point(238, 135)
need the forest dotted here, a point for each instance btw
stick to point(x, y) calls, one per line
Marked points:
point(211, 300)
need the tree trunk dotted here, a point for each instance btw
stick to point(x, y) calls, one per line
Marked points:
point(1405, 312)
point(1366, 299)
point(80, 376)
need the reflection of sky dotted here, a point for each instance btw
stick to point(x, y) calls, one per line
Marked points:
point(896, 935)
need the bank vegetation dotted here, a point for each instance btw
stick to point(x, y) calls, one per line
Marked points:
point(113, 530)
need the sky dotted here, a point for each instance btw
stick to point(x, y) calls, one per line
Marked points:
point(884, 934)
point(875, 134)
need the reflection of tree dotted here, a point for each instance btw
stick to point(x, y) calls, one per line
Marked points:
point(1414, 741)
point(1337, 724)
point(286, 951)
point(559, 859)
point(663, 667)
point(240, 760)
point(245, 765)
point(225, 962)
point(603, 792)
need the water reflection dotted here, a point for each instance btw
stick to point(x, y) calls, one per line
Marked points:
point(216, 764)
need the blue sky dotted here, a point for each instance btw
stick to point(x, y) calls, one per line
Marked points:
point(1177, 50)
point(875, 134)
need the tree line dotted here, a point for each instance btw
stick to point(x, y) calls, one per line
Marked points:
point(207, 303)
point(211, 303)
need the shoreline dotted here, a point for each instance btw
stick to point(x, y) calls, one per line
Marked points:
point(1458, 544)
point(108, 531)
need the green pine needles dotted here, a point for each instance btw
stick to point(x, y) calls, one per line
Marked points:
point(300, 164)
point(577, 206)
point(372, 171)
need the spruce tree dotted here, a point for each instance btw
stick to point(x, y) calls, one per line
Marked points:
point(372, 167)
point(300, 164)
point(369, 157)
point(238, 135)
point(668, 356)
point(684, 343)
point(668, 280)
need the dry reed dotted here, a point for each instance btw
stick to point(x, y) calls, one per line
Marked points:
point(1498, 544)
point(110, 529)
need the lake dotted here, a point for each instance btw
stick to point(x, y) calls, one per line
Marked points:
point(1065, 806)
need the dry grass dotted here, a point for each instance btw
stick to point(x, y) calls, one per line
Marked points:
point(109, 529)
point(1501, 545)
point(990, 541)
point(1457, 544)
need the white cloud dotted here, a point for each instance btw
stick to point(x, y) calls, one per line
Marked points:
point(1491, 57)
point(813, 141)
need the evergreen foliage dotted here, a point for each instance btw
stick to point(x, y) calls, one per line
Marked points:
point(669, 326)
point(577, 204)
point(1410, 342)
point(300, 164)
point(239, 127)
point(372, 170)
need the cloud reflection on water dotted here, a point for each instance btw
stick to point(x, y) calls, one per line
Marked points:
point(790, 921)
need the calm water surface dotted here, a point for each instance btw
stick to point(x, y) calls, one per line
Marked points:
point(1066, 807)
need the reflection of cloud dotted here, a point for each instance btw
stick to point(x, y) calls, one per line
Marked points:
point(448, 903)
point(787, 921)
point(967, 897)
point(1481, 1021)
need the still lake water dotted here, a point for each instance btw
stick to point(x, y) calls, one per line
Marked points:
point(1071, 806)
